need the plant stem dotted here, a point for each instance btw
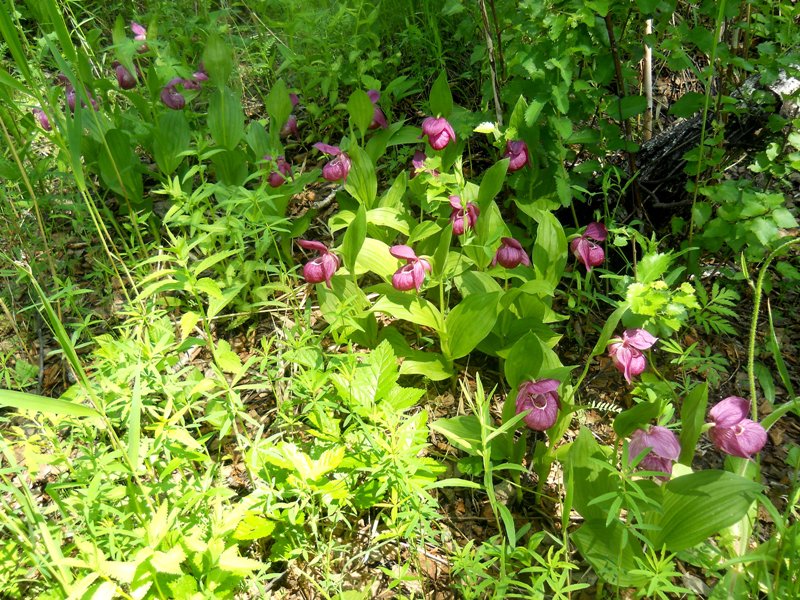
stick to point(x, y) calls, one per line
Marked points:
point(712, 59)
point(751, 347)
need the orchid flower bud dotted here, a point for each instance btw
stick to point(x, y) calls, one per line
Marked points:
point(72, 98)
point(277, 178)
point(290, 127)
point(510, 254)
point(541, 399)
point(378, 118)
point(439, 132)
point(139, 35)
point(44, 121)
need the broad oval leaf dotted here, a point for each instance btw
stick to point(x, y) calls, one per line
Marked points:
point(469, 322)
point(699, 505)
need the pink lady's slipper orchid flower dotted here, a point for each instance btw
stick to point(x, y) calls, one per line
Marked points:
point(411, 275)
point(72, 99)
point(125, 79)
point(733, 431)
point(170, 95)
point(290, 127)
point(626, 352)
point(463, 218)
point(321, 268)
point(139, 35)
point(585, 250)
point(277, 178)
point(662, 449)
point(338, 168)
point(541, 399)
point(40, 116)
point(199, 77)
point(439, 132)
point(378, 118)
point(510, 254)
point(517, 153)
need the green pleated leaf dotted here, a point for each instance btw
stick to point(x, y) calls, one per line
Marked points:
point(699, 505)
point(225, 118)
point(34, 402)
point(120, 168)
point(693, 417)
point(279, 107)
point(524, 361)
point(407, 306)
point(492, 182)
point(218, 60)
point(361, 110)
point(611, 551)
point(354, 238)
point(170, 139)
point(362, 183)
point(469, 322)
point(441, 100)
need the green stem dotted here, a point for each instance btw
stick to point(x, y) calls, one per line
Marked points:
point(712, 59)
point(751, 347)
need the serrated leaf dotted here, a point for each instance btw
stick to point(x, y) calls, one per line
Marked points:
point(227, 359)
point(533, 111)
point(653, 266)
point(254, 527)
point(231, 561)
point(169, 562)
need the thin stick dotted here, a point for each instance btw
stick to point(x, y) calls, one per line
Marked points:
point(647, 68)
point(492, 67)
